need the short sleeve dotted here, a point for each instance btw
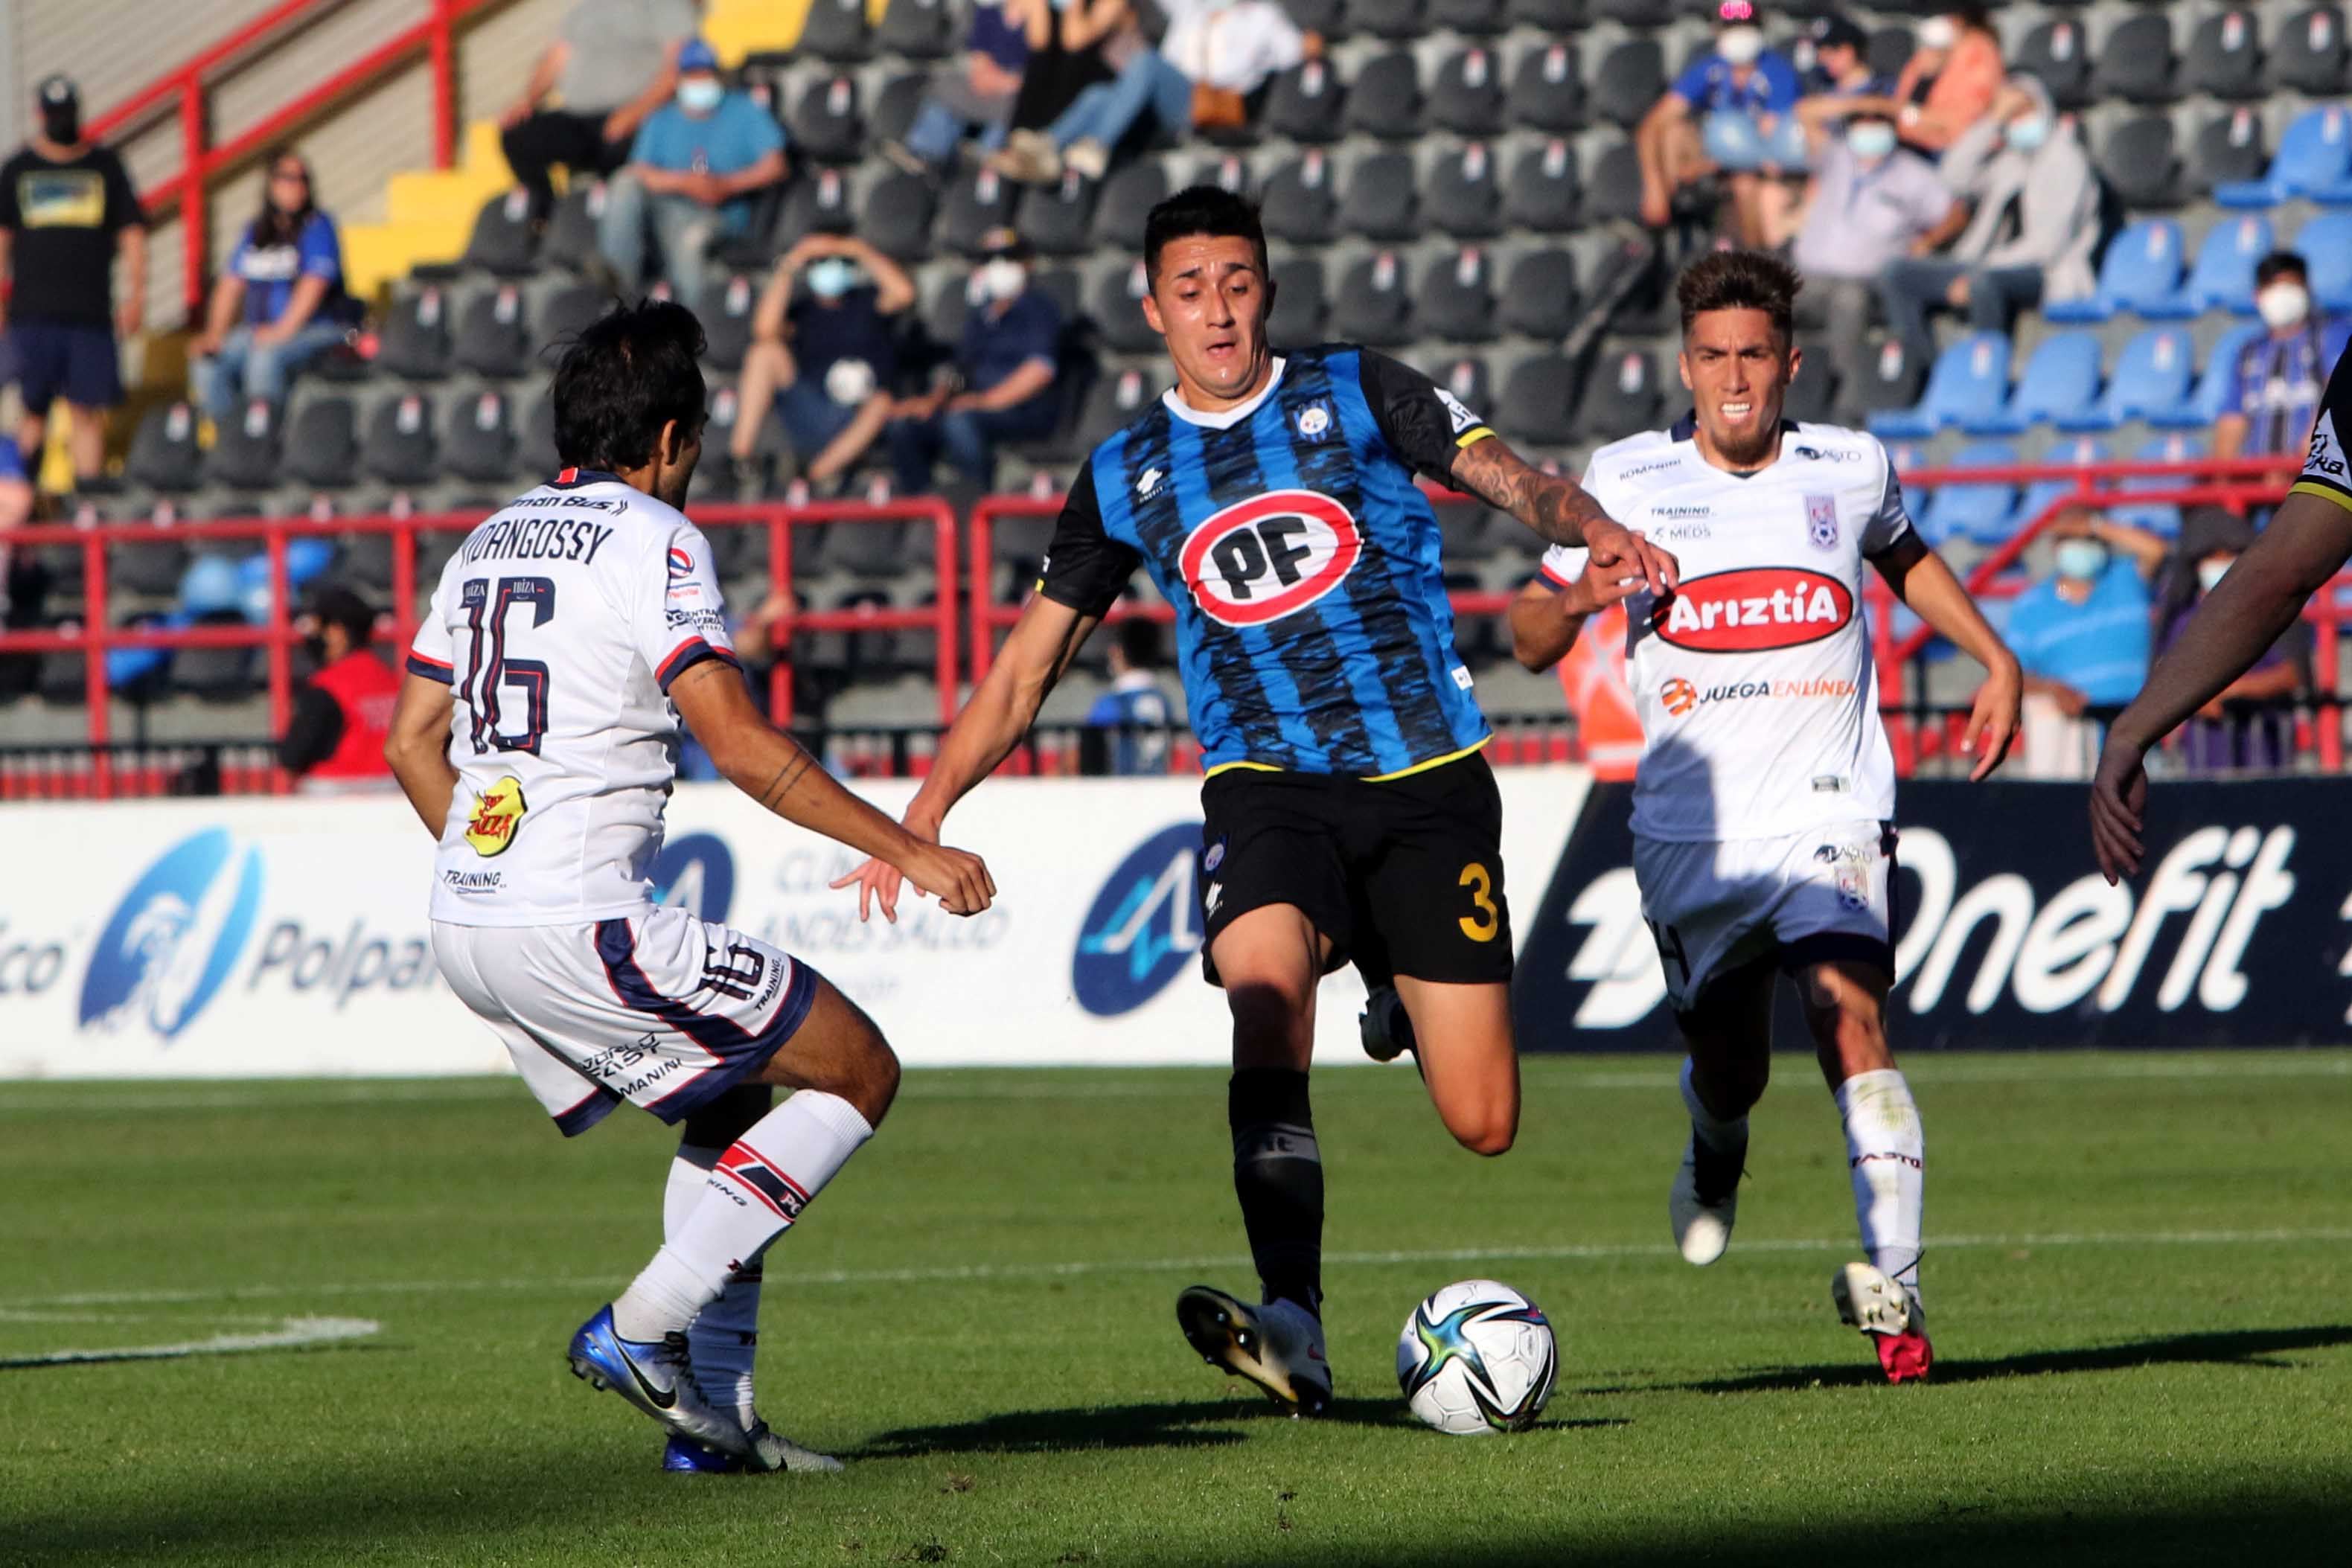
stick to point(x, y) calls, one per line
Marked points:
point(1563, 564)
point(2322, 465)
point(1691, 85)
point(1890, 524)
point(754, 129)
point(322, 256)
point(1423, 423)
point(122, 208)
point(432, 653)
point(1085, 568)
point(680, 619)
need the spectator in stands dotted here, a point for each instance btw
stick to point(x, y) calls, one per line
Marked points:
point(1951, 79)
point(1002, 385)
point(334, 742)
point(16, 497)
point(692, 176)
point(2220, 739)
point(1135, 709)
point(279, 303)
point(828, 362)
point(1870, 202)
point(68, 213)
point(1842, 61)
point(2030, 238)
point(1745, 97)
point(2273, 394)
point(2083, 636)
point(613, 63)
point(978, 94)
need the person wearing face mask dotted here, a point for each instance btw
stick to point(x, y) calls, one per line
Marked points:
point(1951, 79)
point(1002, 385)
point(2031, 237)
point(693, 172)
point(1840, 67)
point(826, 363)
point(334, 741)
point(613, 63)
point(2083, 636)
point(68, 213)
point(278, 304)
point(2221, 738)
point(2275, 385)
point(1744, 98)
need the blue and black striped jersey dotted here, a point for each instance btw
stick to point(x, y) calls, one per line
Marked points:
point(1313, 632)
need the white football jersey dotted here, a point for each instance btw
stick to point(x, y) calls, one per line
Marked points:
point(560, 624)
point(1758, 696)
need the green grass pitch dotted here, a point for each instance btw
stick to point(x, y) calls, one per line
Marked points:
point(2138, 1272)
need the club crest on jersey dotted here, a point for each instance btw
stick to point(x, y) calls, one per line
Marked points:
point(1314, 420)
point(1271, 556)
point(680, 564)
point(1821, 521)
point(1753, 609)
point(497, 812)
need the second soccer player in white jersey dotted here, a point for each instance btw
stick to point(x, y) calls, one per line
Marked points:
point(1764, 806)
point(537, 735)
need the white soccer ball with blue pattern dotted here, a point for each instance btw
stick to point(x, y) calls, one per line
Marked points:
point(1477, 1357)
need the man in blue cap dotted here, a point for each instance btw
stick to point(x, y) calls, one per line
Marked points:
point(693, 174)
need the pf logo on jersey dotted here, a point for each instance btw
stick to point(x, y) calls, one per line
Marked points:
point(1753, 609)
point(1271, 556)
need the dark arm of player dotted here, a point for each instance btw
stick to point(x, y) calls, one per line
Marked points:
point(1546, 618)
point(1921, 579)
point(313, 733)
point(778, 772)
point(417, 746)
point(1560, 510)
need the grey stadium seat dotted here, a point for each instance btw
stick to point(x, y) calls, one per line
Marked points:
point(322, 445)
point(1126, 199)
point(2141, 163)
point(1227, 171)
point(164, 455)
point(2137, 63)
point(727, 323)
point(1628, 80)
point(2307, 54)
point(1300, 204)
point(1540, 298)
point(918, 29)
point(1615, 189)
point(569, 312)
point(1465, 196)
point(1550, 16)
point(493, 339)
point(414, 342)
point(1622, 392)
point(2229, 147)
point(896, 105)
point(399, 446)
point(976, 203)
point(1470, 18)
point(569, 240)
point(1456, 301)
point(1538, 400)
point(1308, 104)
point(1384, 101)
point(1890, 380)
point(826, 125)
point(1380, 201)
point(1056, 219)
point(2224, 56)
point(1547, 90)
point(1374, 303)
point(1466, 377)
point(836, 30)
point(504, 243)
point(1398, 19)
point(2057, 53)
point(1301, 302)
point(535, 455)
point(818, 204)
point(1468, 96)
point(245, 448)
point(478, 444)
point(1546, 192)
point(1113, 401)
point(1889, 50)
point(898, 216)
point(1119, 312)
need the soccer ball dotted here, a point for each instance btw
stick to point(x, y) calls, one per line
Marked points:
point(1477, 1357)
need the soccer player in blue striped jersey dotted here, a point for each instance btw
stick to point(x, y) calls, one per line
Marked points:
point(1350, 816)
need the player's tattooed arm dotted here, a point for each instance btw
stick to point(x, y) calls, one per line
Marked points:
point(795, 768)
point(1560, 510)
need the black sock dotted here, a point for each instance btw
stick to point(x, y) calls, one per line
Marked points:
point(1278, 1177)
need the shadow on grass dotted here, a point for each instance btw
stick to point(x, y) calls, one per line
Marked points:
point(1199, 1424)
point(2240, 1347)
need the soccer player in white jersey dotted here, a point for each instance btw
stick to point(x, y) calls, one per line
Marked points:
point(537, 735)
point(1764, 805)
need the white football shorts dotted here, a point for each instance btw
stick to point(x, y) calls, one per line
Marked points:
point(660, 1009)
point(1803, 898)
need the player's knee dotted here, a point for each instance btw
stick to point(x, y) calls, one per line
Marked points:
point(874, 1078)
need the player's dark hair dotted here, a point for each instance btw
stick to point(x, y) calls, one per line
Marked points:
point(1741, 280)
point(1138, 642)
point(629, 373)
point(1198, 210)
point(2279, 264)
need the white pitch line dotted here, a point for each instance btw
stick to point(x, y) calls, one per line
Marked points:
point(1016, 1271)
point(291, 1332)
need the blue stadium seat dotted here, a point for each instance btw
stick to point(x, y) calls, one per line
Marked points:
point(1978, 512)
point(2325, 245)
point(2314, 159)
point(2142, 268)
point(2159, 517)
point(1970, 378)
point(2223, 275)
point(2060, 380)
point(2152, 375)
point(2078, 452)
point(2204, 406)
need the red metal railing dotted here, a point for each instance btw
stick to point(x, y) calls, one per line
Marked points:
point(94, 637)
point(186, 87)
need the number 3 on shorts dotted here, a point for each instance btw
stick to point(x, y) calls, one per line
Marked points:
point(1481, 927)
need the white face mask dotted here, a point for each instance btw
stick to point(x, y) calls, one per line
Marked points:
point(1870, 141)
point(1938, 32)
point(1001, 279)
point(699, 95)
point(2029, 133)
point(2282, 305)
point(1740, 46)
point(2209, 574)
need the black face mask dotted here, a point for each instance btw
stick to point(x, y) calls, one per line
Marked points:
point(61, 122)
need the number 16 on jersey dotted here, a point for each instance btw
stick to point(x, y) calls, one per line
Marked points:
point(490, 669)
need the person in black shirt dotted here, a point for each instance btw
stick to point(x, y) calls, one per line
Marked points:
point(67, 211)
point(827, 363)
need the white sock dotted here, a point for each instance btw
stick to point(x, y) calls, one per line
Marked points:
point(725, 1336)
point(1718, 1133)
point(755, 1190)
point(1888, 1154)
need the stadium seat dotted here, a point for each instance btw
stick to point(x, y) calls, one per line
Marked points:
point(827, 125)
point(2152, 375)
point(895, 106)
point(726, 325)
point(322, 443)
point(1380, 201)
point(1470, 18)
point(1117, 310)
point(164, 455)
point(2138, 64)
point(492, 339)
point(1466, 198)
point(1547, 92)
point(1466, 377)
point(1306, 104)
point(1629, 80)
point(1614, 192)
point(246, 447)
point(1110, 403)
point(569, 312)
point(398, 445)
point(1622, 392)
point(2078, 452)
point(816, 204)
point(478, 441)
point(1890, 48)
point(1396, 19)
point(2056, 53)
point(2223, 274)
point(918, 29)
point(2140, 272)
point(1538, 402)
point(2325, 245)
point(941, 325)
point(2224, 57)
point(155, 567)
point(2160, 518)
point(1970, 378)
point(1979, 512)
point(504, 243)
point(2307, 54)
point(1812, 396)
point(1549, 16)
point(1062, 286)
point(535, 457)
point(1457, 302)
point(1643, 14)
point(413, 343)
point(1374, 305)
point(1468, 96)
point(213, 675)
point(897, 215)
point(2314, 159)
point(1300, 301)
point(1126, 199)
point(1545, 190)
point(1384, 101)
point(2141, 163)
point(2204, 404)
point(2228, 150)
point(1539, 300)
point(1300, 204)
point(569, 240)
point(1228, 171)
point(1055, 218)
point(836, 30)
point(2061, 381)
point(976, 203)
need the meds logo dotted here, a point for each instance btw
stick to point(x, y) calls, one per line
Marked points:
point(1142, 926)
point(175, 937)
point(696, 873)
